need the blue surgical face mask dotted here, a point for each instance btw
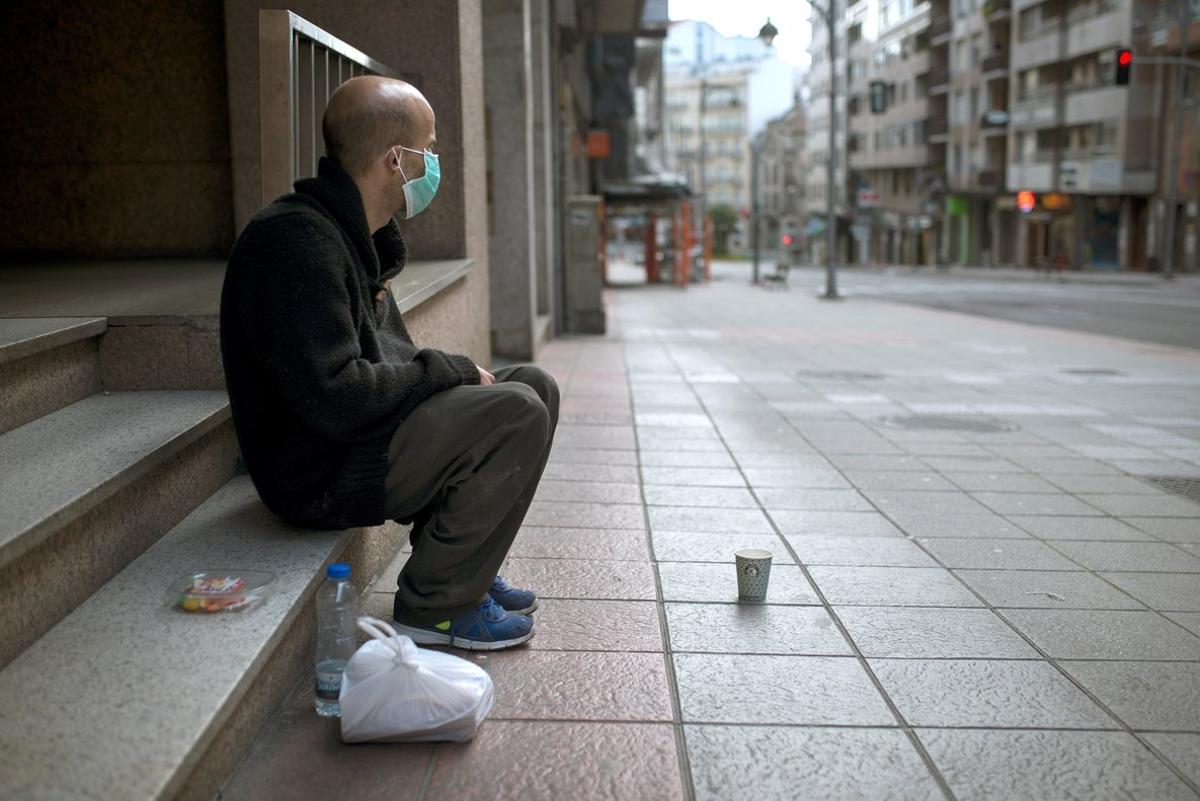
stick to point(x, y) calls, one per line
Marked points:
point(419, 192)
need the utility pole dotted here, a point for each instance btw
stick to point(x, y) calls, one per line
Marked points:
point(829, 15)
point(1176, 132)
point(703, 161)
point(755, 163)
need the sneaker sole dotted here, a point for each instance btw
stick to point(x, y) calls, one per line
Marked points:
point(526, 611)
point(426, 637)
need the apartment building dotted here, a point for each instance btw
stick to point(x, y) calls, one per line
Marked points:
point(893, 176)
point(980, 214)
point(781, 179)
point(731, 86)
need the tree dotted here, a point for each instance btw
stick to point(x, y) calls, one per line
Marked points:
point(724, 220)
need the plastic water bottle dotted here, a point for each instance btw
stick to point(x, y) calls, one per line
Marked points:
point(337, 616)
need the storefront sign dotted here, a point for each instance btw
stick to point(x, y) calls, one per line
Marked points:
point(868, 198)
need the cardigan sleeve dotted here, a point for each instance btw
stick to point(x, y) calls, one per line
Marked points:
point(295, 308)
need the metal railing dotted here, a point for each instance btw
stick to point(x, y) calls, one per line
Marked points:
point(300, 66)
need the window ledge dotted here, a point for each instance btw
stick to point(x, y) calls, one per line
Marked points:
point(420, 281)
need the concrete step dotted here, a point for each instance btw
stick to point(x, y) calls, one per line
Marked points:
point(46, 363)
point(129, 697)
point(87, 488)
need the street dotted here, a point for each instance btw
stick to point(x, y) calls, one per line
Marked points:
point(1149, 311)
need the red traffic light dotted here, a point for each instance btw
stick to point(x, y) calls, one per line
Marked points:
point(1125, 58)
point(1124, 64)
point(1026, 201)
point(787, 239)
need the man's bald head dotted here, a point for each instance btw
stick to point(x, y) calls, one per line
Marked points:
point(368, 115)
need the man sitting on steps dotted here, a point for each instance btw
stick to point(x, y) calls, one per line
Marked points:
point(342, 420)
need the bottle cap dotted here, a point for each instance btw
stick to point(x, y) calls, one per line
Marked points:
point(338, 570)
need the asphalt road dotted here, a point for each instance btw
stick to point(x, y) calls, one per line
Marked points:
point(1156, 311)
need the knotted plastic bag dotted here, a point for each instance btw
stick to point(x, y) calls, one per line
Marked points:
point(393, 691)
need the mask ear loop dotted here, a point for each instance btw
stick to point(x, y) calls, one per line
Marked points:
point(400, 164)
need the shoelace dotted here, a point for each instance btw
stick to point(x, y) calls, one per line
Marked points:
point(500, 585)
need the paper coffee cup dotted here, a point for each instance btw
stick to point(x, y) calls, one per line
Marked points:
point(753, 573)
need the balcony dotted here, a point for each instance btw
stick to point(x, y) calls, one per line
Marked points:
point(939, 29)
point(995, 11)
point(938, 80)
point(936, 126)
point(996, 63)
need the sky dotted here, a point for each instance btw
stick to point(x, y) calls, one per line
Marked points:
point(745, 17)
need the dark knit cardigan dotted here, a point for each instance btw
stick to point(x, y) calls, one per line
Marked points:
point(319, 366)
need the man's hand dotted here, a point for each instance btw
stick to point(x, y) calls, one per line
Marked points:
point(485, 378)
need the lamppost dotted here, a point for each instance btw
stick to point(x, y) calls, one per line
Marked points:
point(828, 14)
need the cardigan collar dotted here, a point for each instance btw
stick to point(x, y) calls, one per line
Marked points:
point(384, 254)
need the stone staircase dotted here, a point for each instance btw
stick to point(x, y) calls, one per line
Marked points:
point(106, 496)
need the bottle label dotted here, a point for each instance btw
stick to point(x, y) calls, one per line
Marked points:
point(328, 686)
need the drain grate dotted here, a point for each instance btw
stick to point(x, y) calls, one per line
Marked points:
point(1184, 486)
point(839, 375)
point(941, 422)
point(1090, 371)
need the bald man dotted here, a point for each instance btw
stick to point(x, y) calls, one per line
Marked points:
point(343, 421)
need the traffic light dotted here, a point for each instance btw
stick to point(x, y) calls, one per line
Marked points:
point(1124, 63)
point(1026, 201)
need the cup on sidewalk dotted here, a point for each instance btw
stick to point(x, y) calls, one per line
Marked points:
point(753, 573)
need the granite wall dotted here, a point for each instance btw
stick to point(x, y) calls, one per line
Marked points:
point(115, 136)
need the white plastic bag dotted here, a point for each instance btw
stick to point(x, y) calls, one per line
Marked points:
point(393, 691)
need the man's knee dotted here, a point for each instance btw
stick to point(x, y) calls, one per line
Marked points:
point(542, 382)
point(527, 405)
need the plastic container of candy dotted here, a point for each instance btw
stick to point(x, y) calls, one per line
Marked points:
point(212, 591)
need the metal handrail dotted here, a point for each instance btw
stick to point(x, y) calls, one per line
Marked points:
point(300, 66)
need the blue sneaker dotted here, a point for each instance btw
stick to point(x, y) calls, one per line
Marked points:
point(487, 627)
point(514, 601)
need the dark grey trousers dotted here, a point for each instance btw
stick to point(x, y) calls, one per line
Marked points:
point(464, 467)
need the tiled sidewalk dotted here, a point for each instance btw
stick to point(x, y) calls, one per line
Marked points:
point(952, 613)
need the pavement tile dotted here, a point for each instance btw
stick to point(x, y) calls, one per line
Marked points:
point(539, 542)
point(944, 503)
point(897, 480)
point(923, 525)
point(1146, 695)
point(575, 514)
point(878, 551)
point(1189, 620)
point(1131, 556)
point(968, 464)
point(1130, 505)
point(590, 491)
point(671, 441)
point(673, 419)
point(878, 463)
point(712, 546)
point(723, 497)
point(987, 693)
point(1046, 589)
point(582, 436)
point(578, 685)
point(581, 473)
point(754, 628)
point(1182, 749)
point(1100, 484)
point(301, 756)
point(1169, 529)
point(562, 455)
point(809, 478)
point(670, 458)
point(1068, 765)
point(1000, 482)
point(998, 554)
point(1080, 528)
point(813, 500)
point(732, 763)
point(1024, 503)
point(758, 689)
point(579, 761)
point(834, 524)
point(891, 586)
point(583, 578)
point(717, 583)
point(1083, 467)
point(1096, 634)
point(1171, 592)
point(682, 518)
point(571, 625)
point(693, 476)
point(881, 631)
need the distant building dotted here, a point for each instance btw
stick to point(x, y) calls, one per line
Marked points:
point(781, 181)
point(732, 86)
